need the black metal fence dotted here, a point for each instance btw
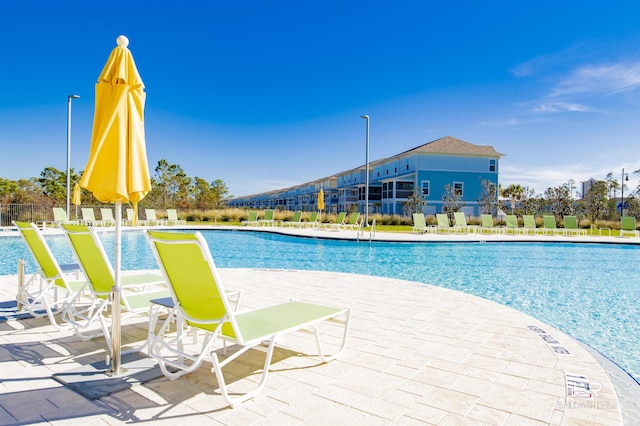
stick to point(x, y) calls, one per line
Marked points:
point(29, 213)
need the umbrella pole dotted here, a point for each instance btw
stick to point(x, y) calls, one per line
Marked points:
point(115, 297)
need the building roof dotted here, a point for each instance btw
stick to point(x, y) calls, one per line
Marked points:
point(449, 145)
point(446, 145)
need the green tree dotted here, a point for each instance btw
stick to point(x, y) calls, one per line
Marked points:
point(529, 202)
point(634, 207)
point(559, 201)
point(8, 190)
point(451, 201)
point(203, 197)
point(612, 185)
point(209, 195)
point(170, 187)
point(415, 202)
point(30, 192)
point(514, 193)
point(595, 204)
point(488, 197)
point(54, 184)
point(221, 192)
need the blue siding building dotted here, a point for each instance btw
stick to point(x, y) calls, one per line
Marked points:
point(430, 167)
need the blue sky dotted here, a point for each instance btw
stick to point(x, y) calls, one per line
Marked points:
point(268, 94)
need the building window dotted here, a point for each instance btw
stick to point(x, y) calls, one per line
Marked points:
point(492, 165)
point(375, 193)
point(404, 189)
point(457, 188)
point(387, 190)
point(425, 188)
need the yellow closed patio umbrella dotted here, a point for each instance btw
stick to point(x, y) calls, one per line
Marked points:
point(320, 202)
point(117, 170)
point(76, 197)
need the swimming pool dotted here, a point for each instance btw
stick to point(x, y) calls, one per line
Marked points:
point(589, 291)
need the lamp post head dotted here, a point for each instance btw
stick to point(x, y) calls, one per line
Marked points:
point(73, 97)
point(364, 116)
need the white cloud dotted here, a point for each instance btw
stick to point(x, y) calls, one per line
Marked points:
point(542, 65)
point(604, 79)
point(575, 79)
point(541, 178)
point(552, 107)
point(509, 122)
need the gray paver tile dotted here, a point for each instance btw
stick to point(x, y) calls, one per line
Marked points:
point(450, 400)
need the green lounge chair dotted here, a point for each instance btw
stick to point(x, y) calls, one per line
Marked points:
point(511, 222)
point(460, 223)
point(107, 217)
point(296, 220)
point(39, 296)
point(88, 217)
point(59, 217)
point(353, 223)
point(487, 225)
point(314, 220)
point(571, 226)
point(550, 227)
point(152, 219)
point(200, 299)
point(172, 218)
point(131, 217)
point(628, 226)
point(252, 219)
point(138, 287)
point(529, 227)
point(268, 219)
point(419, 223)
point(443, 223)
point(339, 221)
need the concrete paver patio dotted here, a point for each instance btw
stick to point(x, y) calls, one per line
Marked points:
point(416, 354)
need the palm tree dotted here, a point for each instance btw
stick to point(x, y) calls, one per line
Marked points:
point(515, 193)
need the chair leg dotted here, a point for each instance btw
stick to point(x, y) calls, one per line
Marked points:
point(33, 302)
point(159, 342)
point(217, 370)
point(81, 319)
point(328, 358)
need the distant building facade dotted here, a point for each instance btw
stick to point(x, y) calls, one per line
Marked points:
point(429, 167)
point(586, 186)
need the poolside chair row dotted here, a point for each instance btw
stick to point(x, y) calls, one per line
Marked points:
point(152, 220)
point(345, 222)
point(549, 227)
point(88, 218)
point(443, 225)
point(488, 225)
point(268, 219)
point(296, 221)
point(189, 286)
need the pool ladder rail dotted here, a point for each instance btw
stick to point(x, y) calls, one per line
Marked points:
point(361, 230)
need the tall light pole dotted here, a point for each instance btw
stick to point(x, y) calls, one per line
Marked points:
point(69, 149)
point(366, 187)
point(624, 175)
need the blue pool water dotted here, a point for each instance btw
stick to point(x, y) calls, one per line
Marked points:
point(590, 291)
